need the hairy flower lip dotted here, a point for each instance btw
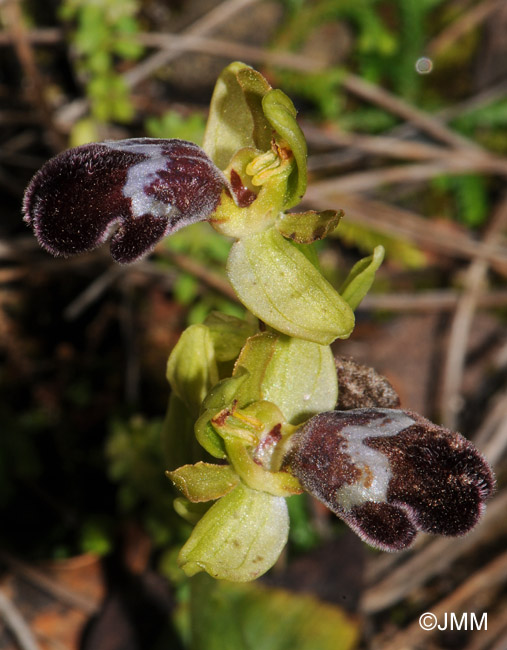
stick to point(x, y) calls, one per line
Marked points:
point(143, 189)
point(389, 473)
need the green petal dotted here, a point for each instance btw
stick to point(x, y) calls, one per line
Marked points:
point(298, 376)
point(307, 227)
point(192, 368)
point(239, 538)
point(361, 277)
point(278, 284)
point(204, 481)
point(281, 114)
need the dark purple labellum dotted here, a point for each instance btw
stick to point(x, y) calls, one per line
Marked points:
point(143, 188)
point(389, 473)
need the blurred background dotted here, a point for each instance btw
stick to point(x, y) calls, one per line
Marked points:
point(404, 106)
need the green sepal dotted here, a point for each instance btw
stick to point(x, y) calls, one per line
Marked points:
point(192, 368)
point(278, 284)
point(281, 113)
point(219, 398)
point(228, 334)
point(204, 481)
point(361, 277)
point(239, 538)
point(298, 376)
point(236, 118)
point(307, 227)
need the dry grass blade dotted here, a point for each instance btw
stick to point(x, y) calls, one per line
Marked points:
point(496, 446)
point(220, 14)
point(422, 120)
point(219, 47)
point(489, 578)
point(462, 25)
point(41, 36)
point(475, 279)
point(396, 221)
point(371, 179)
point(211, 279)
point(205, 25)
point(93, 292)
point(379, 144)
point(16, 624)
point(497, 627)
point(14, 19)
point(427, 301)
point(39, 579)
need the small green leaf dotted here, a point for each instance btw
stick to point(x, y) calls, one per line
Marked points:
point(232, 617)
point(298, 376)
point(307, 227)
point(280, 112)
point(239, 538)
point(228, 334)
point(361, 277)
point(204, 481)
point(192, 368)
point(235, 117)
point(280, 286)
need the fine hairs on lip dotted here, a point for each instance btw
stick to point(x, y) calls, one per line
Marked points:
point(143, 188)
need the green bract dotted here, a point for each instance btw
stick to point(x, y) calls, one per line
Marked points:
point(361, 277)
point(281, 287)
point(276, 374)
point(239, 538)
point(191, 368)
